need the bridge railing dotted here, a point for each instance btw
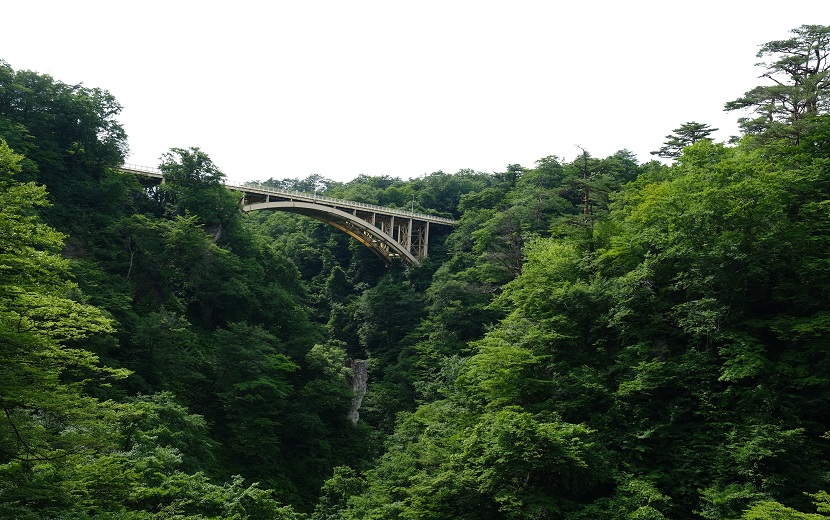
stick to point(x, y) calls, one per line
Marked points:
point(312, 197)
point(139, 168)
point(343, 202)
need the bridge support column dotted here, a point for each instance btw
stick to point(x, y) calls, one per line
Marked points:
point(426, 239)
point(419, 242)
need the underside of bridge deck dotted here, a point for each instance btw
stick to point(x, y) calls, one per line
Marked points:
point(388, 240)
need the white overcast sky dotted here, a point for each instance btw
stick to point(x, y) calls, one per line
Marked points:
point(339, 88)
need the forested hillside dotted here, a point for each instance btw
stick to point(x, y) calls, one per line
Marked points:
point(595, 338)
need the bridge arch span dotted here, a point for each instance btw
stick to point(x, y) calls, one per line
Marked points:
point(392, 233)
point(380, 242)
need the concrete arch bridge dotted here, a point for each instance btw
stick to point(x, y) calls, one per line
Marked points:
point(392, 233)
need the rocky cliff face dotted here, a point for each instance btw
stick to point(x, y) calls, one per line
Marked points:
point(360, 378)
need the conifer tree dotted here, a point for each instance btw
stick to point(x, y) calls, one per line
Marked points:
point(688, 134)
point(799, 69)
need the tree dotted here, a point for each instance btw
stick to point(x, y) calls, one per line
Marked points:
point(191, 167)
point(688, 134)
point(193, 184)
point(441, 192)
point(335, 494)
point(47, 423)
point(251, 387)
point(586, 185)
point(511, 175)
point(800, 73)
point(62, 129)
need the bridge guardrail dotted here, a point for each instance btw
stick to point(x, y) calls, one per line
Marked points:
point(139, 168)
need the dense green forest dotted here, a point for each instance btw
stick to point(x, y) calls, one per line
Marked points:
point(597, 338)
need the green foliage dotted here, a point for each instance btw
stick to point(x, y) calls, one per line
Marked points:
point(64, 453)
point(193, 496)
point(446, 463)
point(775, 511)
point(41, 320)
point(677, 316)
point(526, 466)
point(169, 283)
point(800, 86)
point(688, 134)
point(74, 126)
point(193, 185)
point(251, 389)
point(595, 339)
point(335, 494)
point(634, 498)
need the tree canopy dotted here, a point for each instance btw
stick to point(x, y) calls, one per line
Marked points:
point(799, 70)
point(687, 134)
point(596, 338)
